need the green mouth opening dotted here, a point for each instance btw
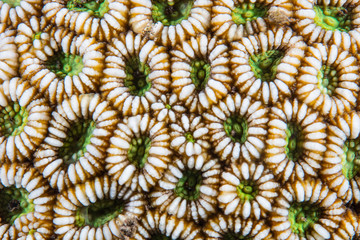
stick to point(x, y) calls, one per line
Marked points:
point(137, 77)
point(171, 12)
point(65, 64)
point(96, 8)
point(327, 79)
point(98, 213)
point(245, 12)
point(159, 236)
point(78, 137)
point(12, 3)
point(236, 128)
point(302, 216)
point(247, 190)
point(264, 65)
point(200, 74)
point(234, 236)
point(36, 36)
point(14, 203)
point(139, 151)
point(332, 18)
point(350, 160)
point(189, 137)
point(188, 186)
point(294, 141)
point(13, 119)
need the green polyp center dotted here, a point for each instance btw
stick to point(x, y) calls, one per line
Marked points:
point(327, 79)
point(139, 151)
point(294, 141)
point(247, 190)
point(168, 106)
point(234, 236)
point(96, 8)
point(245, 12)
point(332, 18)
point(350, 160)
point(302, 216)
point(189, 137)
point(137, 77)
point(159, 236)
point(14, 203)
point(36, 36)
point(236, 128)
point(77, 138)
point(171, 12)
point(12, 3)
point(65, 64)
point(13, 119)
point(264, 65)
point(188, 186)
point(200, 73)
point(98, 213)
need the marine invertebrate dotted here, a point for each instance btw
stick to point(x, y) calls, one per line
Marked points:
point(69, 65)
point(168, 108)
point(328, 80)
point(13, 12)
point(139, 152)
point(227, 227)
point(265, 65)
point(341, 161)
point(200, 75)
point(188, 189)
point(26, 203)
point(173, 108)
point(163, 226)
point(24, 117)
point(9, 57)
point(137, 73)
point(189, 135)
point(321, 21)
point(170, 21)
point(97, 209)
point(306, 209)
point(31, 228)
point(232, 20)
point(101, 19)
point(33, 36)
point(75, 147)
point(237, 128)
point(247, 190)
point(296, 141)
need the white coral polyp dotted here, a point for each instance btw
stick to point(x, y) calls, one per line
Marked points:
point(142, 22)
point(132, 60)
point(275, 53)
point(230, 142)
point(328, 80)
point(212, 56)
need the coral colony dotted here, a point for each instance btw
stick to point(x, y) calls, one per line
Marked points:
point(179, 119)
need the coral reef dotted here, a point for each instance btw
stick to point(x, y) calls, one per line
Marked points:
point(179, 119)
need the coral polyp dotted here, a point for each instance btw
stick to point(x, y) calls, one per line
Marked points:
point(188, 188)
point(170, 22)
point(78, 138)
point(171, 12)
